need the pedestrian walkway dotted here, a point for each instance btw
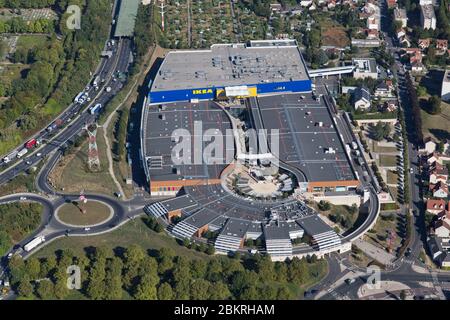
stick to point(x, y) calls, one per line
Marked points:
point(374, 252)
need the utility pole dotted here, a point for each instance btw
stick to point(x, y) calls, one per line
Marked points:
point(162, 14)
point(93, 159)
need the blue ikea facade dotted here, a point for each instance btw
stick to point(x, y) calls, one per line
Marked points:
point(209, 93)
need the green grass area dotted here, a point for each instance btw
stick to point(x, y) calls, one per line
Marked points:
point(394, 192)
point(392, 177)
point(432, 124)
point(21, 183)
point(383, 149)
point(133, 232)
point(31, 41)
point(84, 214)
point(17, 221)
point(73, 174)
point(11, 72)
point(14, 139)
point(343, 215)
point(387, 160)
point(383, 228)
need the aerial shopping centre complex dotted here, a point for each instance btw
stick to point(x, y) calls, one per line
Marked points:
point(280, 148)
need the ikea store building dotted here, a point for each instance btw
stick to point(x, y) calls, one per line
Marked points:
point(230, 70)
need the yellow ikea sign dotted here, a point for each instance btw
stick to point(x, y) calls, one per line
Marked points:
point(202, 91)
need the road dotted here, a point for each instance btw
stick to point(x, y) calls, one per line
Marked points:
point(76, 116)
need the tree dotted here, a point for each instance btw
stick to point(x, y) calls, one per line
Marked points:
point(324, 205)
point(199, 289)
point(440, 147)
point(378, 131)
point(25, 289)
point(434, 103)
point(165, 291)
point(45, 290)
point(218, 291)
point(284, 293)
point(5, 242)
point(33, 267)
point(146, 289)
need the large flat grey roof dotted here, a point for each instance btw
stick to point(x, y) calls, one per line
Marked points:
point(314, 225)
point(127, 18)
point(159, 128)
point(231, 65)
point(303, 141)
point(279, 230)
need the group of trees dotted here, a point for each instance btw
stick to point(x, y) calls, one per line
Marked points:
point(120, 134)
point(26, 93)
point(59, 69)
point(108, 274)
point(143, 35)
point(415, 110)
point(19, 25)
point(27, 4)
point(16, 221)
point(381, 131)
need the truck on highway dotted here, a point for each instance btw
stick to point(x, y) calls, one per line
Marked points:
point(34, 243)
point(96, 81)
point(22, 152)
point(31, 144)
point(78, 97)
point(95, 109)
point(10, 156)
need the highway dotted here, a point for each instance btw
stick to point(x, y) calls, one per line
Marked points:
point(73, 118)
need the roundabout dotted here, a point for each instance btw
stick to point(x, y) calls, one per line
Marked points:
point(78, 214)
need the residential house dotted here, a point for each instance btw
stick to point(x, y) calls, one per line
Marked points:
point(390, 106)
point(439, 190)
point(305, 3)
point(429, 147)
point(441, 227)
point(435, 206)
point(382, 90)
point(391, 3)
point(427, 17)
point(372, 13)
point(331, 4)
point(417, 67)
point(441, 46)
point(424, 43)
point(361, 98)
point(372, 34)
point(275, 7)
point(425, 2)
point(437, 157)
point(438, 173)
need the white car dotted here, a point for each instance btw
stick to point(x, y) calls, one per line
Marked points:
point(87, 229)
point(38, 154)
point(23, 198)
